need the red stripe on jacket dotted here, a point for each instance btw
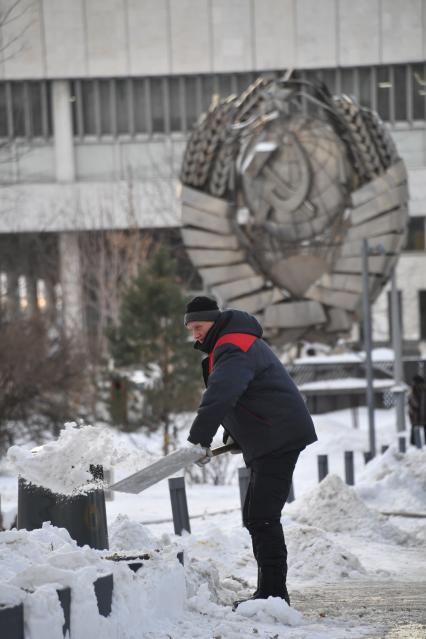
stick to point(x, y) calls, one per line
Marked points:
point(242, 340)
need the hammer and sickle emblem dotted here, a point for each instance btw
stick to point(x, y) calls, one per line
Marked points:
point(283, 197)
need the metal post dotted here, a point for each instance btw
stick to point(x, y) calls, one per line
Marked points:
point(243, 481)
point(349, 468)
point(367, 457)
point(322, 467)
point(179, 505)
point(402, 444)
point(367, 347)
point(398, 373)
point(290, 497)
point(418, 436)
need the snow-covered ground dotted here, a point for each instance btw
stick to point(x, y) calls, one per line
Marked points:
point(335, 535)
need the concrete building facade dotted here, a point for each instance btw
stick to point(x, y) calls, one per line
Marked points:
point(97, 98)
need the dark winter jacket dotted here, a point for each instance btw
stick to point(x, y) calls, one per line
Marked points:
point(249, 392)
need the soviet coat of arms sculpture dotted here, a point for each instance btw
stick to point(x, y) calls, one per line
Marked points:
point(280, 186)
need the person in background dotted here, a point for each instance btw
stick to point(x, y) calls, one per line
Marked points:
point(417, 405)
point(249, 392)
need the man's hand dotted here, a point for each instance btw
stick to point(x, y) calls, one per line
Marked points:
point(205, 460)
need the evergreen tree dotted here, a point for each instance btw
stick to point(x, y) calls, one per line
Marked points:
point(151, 334)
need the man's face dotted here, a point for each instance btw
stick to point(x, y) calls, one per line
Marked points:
point(199, 330)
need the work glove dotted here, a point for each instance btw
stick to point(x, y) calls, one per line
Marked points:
point(205, 460)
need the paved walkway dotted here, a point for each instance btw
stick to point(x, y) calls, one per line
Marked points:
point(400, 607)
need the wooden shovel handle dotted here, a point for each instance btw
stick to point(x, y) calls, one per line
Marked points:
point(224, 449)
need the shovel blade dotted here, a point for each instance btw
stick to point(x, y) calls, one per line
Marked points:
point(159, 470)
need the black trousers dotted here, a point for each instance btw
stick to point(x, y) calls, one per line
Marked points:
point(268, 489)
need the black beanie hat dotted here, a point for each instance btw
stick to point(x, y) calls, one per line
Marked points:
point(202, 309)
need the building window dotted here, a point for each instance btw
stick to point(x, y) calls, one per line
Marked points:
point(418, 90)
point(133, 106)
point(157, 105)
point(416, 234)
point(25, 110)
point(399, 92)
point(422, 314)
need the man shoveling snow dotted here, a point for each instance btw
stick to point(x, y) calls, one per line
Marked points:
point(251, 394)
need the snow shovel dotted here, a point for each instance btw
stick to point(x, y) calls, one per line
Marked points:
point(165, 467)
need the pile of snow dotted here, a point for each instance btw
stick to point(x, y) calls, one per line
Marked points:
point(335, 507)
point(272, 610)
point(314, 555)
point(63, 465)
point(395, 482)
point(128, 535)
point(33, 565)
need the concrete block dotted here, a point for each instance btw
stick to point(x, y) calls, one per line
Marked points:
point(254, 303)
point(189, 36)
point(294, 314)
point(359, 31)
point(274, 36)
point(203, 220)
point(238, 288)
point(222, 274)
point(387, 201)
point(232, 35)
point(106, 38)
point(394, 176)
point(393, 222)
point(149, 49)
point(391, 243)
point(203, 239)
point(215, 258)
point(341, 282)
point(329, 297)
point(376, 264)
point(205, 202)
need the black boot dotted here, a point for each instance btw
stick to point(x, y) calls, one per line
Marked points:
point(270, 583)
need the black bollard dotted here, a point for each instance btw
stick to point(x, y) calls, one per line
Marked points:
point(103, 590)
point(384, 448)
point(84, 516)
point(349, 468)
point(418, 436)
point(290, 497)
point(179, 505)
point(368, 456)
point(322, 467)
point(402, 444)
point(64, 596)
point(12, 622)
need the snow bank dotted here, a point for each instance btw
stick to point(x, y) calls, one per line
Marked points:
point(314, 556)
point(63, 465)
point(34, 564)
point(335, 507)
point(395, 482)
